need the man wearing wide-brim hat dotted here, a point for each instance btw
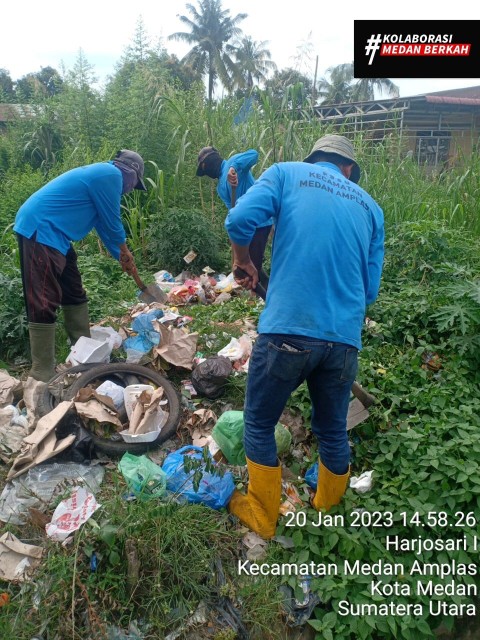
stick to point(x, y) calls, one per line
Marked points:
point(326, 265)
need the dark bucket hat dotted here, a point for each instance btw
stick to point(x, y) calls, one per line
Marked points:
point(204, 153)
point(134, 161)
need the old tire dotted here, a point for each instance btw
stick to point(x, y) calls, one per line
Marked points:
point(144, 375)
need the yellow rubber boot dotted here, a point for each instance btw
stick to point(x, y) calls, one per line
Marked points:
point(330, 488)
point(258, 510)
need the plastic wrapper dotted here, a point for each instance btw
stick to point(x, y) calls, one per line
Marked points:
point(146, 337)
point(228, 434)
point(144, 478)
point(210, 376)
point(71, 513)
point(113, 391)
point(213, 491)
point(40, 485)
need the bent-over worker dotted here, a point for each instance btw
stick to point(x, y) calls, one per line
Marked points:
point(326, 265)
point(65, 210)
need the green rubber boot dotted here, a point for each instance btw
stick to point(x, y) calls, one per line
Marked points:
point(42, 348)
point(76, 321)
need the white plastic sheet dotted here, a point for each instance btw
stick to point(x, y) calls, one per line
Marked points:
point(71, 514)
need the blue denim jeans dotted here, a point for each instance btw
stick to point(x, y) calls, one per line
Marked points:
point(278, 365)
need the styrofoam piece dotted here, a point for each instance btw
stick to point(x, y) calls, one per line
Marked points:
point(139, 437)
point(109, 334)
point(88, 350)
point(131, 394)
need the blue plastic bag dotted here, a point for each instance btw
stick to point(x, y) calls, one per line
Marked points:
point(214, 491)
point(147, 336)
point(311, 477)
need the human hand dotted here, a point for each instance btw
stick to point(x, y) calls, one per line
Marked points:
point(232, 177)
point(245, 274)
point(127, 261)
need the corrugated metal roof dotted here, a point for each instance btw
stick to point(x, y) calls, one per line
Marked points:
point(452, 100)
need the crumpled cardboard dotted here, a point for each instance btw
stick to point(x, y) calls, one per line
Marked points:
point(32, 390)
point(147, 415)
point(200, 426)
point(13, 429)
point(176, 347)
point(42, 444)
point(8, 387)
point(94, 406)
point(17, 559)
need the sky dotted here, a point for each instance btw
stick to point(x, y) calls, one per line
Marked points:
point(39, 34)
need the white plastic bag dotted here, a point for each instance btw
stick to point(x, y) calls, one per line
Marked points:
point(71, 514)
point(363, 483)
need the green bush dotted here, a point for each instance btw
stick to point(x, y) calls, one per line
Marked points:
point(180, 231)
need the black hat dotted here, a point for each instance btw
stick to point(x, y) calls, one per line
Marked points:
point(134, 161)
point(205, 153)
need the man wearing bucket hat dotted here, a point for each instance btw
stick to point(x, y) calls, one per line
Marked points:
point(234, 179)
point(64, 210)
point(326, 267)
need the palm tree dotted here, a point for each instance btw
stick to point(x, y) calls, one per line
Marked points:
point(337, 89)
point(254, 62)
point(211, 31)
point(364, 88)
point(343, 87)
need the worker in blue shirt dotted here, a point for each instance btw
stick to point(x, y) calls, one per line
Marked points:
point(234, 179)
point(326, 266)
point(66, 209)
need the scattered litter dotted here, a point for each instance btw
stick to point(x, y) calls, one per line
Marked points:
point(144, 478)
point(190, 257)
point(362, 483)
point(237, 351)
point(146, 336)
point(13, 429)
point(228, 434)
point(210, 376)
point(17, 560)
point(188, 388)
point(199, 616)
point(176, 346)
point(113, 391)
point(4, 599)
point(43, 443)
point(292, 498)
point(163, 276)
point(92, 406)
point(106, 334)
point(133, 633)
point(256, 546)
point(299, 611)
point(214, 490)
point(41, 485)
point(8, 387)
point(32, 391)
point(71, 513)
point(146, 416)
point(87, 350)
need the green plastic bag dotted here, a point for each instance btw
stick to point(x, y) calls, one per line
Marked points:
point(145, 479)
point(228, 434)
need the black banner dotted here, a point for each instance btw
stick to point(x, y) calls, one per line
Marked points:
point(416, 49)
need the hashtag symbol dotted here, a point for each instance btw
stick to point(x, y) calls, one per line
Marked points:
point(373, 45)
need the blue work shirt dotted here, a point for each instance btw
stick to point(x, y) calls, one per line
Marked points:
point(327, 252)
point(68, 207)
point(242, 163)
